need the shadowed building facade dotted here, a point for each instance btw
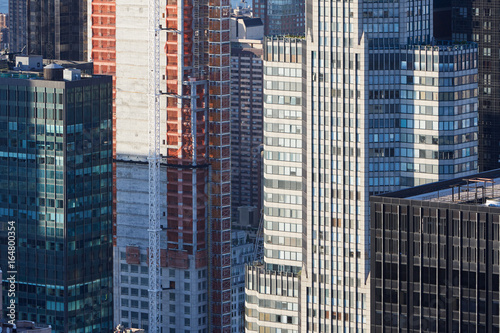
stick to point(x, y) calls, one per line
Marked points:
point(55, 158)
point(435, 257)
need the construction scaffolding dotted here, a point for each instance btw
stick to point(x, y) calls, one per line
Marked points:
point(198, 148)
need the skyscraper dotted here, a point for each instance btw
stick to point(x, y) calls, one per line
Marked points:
point(467, 20)
point(275, 304)
point(435, 262)
point(54, 29)
point(195, 144)
point(56, 159)
point(18, 25)
point(385, 107)
point(246, 125)
point(281, 17)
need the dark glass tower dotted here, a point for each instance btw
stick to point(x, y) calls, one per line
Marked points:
point(56, 185)
point(281, 17)
point(246, 127)
point(477, 21)
point(57, 29)
point(435, 257)
point(18, 24)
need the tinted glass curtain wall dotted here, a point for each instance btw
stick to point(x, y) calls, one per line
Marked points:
point(57, 29)
point(56, 185)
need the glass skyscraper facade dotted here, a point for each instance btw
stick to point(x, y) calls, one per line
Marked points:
point(435, 257)
point(56, 186)
point(56, 29)
point(384, 107)
point(468, 20)
point(18, 24)
point(281, 17)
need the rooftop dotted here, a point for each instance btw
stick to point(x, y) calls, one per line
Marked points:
point(252, 22)
point(479, 189)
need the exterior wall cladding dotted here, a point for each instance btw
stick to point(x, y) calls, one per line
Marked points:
point(246, 128)
point(435, 258)
point(384, 108)
point(477, 21)
point(55, 161)
point(281, 17)
point(196, 245)
point(18, 24)
point(102, 50)
point(57, 29)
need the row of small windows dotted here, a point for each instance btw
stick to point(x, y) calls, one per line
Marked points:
point(282, 114)
point(133, 268)
point(89, 213)
point(410, 181)
point(414, 167)
point(284, 184)
point(266, 303)
point(283, 212)
point(283, 142)
point(423, 139)
point(422, 80)
point(48, 129)
point(381, 27)
point(417, 25)
point(423, 124)
point(133, 280)
point(418, 95)
point(286, 241)
point(283, 128)
point(282, 156)
point(285, 255)
point(283, 85)
point(283, 170)
point(284, 100)
point(283, 49)
point(433, 225)
point(442, 62)
point(280, 71)
point(422, 153)
point(283, 198)
point(36, 96)
point(281, 226)
point(422, 109)
point(381, 13)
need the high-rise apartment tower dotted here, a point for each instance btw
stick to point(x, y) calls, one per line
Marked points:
point(385, 107)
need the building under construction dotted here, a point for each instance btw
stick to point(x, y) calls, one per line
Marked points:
point(195, 165)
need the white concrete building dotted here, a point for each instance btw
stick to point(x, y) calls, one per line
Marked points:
point(272, 298)
point(384, 108)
